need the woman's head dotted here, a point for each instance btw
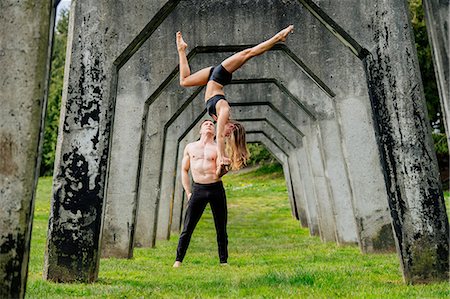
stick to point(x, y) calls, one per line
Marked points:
point(236, 145)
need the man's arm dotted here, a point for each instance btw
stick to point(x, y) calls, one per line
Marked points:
point(185, 165)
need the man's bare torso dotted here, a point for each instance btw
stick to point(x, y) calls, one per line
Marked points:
point(202, 159)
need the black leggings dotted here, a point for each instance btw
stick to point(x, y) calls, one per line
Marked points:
point(201, 195)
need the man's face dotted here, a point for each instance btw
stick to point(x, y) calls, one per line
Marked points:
point(208, 127)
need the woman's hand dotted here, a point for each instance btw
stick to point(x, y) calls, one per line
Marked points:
point(223, 160)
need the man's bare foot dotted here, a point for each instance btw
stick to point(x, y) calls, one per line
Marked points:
point(181, 44)
point(285, 32)
point(177, 264)
point(224, 264)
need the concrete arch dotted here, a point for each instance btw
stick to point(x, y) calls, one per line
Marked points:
point(195, 94)
point(198, 92)
point(152, 171)
point(93, 66)
point(116, 187)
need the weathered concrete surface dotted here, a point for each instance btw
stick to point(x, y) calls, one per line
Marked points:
point(25, 31)
point(371, 210)
point(338, 180)
point(409, 161)
point(437, 17)
point(345, 74)
point(99, 32)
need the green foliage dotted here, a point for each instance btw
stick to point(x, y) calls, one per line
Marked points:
point(271, 256)
point(54, 94)
point(259, 154)
point(440, 143)
point(426, 64)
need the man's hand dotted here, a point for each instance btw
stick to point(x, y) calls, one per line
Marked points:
point(189, 196)
point(222, 169)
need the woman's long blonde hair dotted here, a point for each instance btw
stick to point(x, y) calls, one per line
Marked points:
point(236, 147)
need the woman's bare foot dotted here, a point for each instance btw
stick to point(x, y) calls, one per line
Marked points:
point(181, 44)
point(285, 32)
point(177, 264)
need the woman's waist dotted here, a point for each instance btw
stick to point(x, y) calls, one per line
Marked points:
point(213, 92)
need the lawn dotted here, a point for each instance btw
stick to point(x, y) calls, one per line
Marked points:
point(270, 256)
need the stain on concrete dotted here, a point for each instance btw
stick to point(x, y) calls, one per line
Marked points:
point(8, 150)
point(12, 249)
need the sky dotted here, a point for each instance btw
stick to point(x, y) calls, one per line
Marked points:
point(64, 4)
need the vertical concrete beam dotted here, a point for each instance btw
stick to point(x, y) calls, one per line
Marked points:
point(370, 207)
point(179, 196)
point(298, 189)
point(345, 71)
point(407, 153)
point(338, 180)
point(310, 190)
point(102, 36)
point(437, 17)
point(72, 252)
point(327, 225)
point(25, 48)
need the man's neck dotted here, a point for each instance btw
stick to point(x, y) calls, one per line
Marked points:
point(206, 138)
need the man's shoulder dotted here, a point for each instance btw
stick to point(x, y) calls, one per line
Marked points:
point(191, 145)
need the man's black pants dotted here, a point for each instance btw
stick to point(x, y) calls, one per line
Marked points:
point(202, 194)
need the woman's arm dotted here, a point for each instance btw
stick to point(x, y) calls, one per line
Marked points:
point(222, 120)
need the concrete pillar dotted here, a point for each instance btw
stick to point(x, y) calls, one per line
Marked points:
point(407, 153)
point(338, 181)
point(325, 209)
point(179, 197)
point(101, 39)
point(25, 48)
point(298, 189)
point(345, 73)
point(370, 198)
point(310, 190)
point(437, 17)
point(76, 205)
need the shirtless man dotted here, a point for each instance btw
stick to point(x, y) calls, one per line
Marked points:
point(200, 157)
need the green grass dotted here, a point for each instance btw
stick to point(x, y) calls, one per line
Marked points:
point(270, 256)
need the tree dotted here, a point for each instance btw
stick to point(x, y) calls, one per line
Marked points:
point(426, 64)
point(55, 93)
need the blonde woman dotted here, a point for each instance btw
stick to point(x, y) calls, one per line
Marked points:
point(215, 78)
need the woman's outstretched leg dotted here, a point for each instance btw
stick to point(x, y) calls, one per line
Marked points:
point(235, 61)
point(186, 79)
